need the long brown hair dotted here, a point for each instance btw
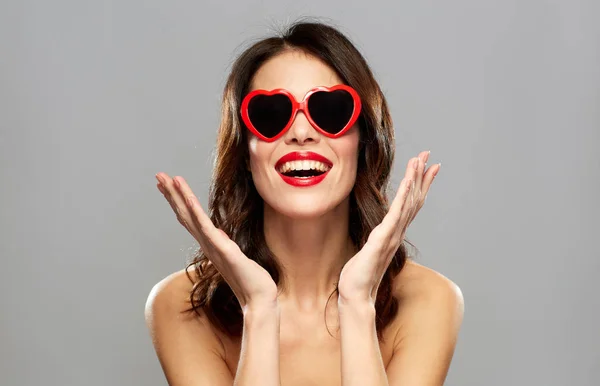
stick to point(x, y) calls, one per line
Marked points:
point(234, 204)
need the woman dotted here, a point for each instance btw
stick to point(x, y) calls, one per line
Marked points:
point(298, 213)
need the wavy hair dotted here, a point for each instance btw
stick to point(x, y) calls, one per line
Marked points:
point(234, 204)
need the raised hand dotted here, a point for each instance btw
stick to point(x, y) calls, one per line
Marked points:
point(362, 274)
point(251, 283)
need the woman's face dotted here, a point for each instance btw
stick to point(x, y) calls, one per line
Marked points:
point(299, 72)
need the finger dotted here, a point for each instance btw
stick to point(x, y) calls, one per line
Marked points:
point(399, 215)
point(420, 176)
point(177, 202)
point(162, 188)
point(428, 180)
point(391, 221)
point(426, 184)
point(190, 214)
point(201, 220)
point(412, 170)
point(166, 195)
point(210, 238)
point(166, 188)
point(423, 157)
point(227, 249)
point(410, 210)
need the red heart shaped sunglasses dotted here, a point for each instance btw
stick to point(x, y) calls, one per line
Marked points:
point(330, 110)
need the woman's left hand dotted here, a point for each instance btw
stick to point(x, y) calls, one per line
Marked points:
point(362, 274)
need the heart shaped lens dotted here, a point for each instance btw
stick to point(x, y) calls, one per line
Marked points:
point(269, 114)
point(331, 111)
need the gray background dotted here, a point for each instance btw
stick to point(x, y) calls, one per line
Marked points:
point(96, 97)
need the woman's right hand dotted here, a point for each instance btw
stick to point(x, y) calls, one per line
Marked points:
point(251, 283)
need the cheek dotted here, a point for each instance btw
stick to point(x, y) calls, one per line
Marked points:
point(252, 149)
point(347, 148)
point(259, 153)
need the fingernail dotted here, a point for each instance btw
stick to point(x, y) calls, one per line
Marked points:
point(438, 169)
point(416, 163)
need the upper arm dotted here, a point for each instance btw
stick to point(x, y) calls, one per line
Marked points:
point(188, 350)
point(427, 334)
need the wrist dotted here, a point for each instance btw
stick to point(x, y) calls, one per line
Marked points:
point(356, 308)
point(358, 301)
point(259, 309)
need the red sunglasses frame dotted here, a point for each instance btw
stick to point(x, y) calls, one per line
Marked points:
point(300, 106)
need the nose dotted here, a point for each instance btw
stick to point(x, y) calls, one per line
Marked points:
point(301, 131)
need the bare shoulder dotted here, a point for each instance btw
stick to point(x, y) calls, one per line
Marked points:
point(426, 326)
point(424, 293)
point(173, 286)
point(177, 284)
point(170, 295)
point(416, 281)
point(170, 299)
point(185, 342)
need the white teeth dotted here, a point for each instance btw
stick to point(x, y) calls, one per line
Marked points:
point(303, 165)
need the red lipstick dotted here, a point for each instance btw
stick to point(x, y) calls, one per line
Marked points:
point(303, 156)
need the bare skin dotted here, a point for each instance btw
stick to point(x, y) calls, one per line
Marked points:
point(308, 231)
point(308, 354)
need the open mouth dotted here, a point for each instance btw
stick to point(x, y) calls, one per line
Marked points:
point(303, 168)
point(303, 173)
point(305, 176)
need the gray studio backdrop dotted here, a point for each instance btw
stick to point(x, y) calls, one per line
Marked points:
point(98, 96)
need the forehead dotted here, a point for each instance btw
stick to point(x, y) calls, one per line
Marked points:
point(295, 71)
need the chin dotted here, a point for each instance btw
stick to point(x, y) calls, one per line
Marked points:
point(302, 215)
point(304, 208)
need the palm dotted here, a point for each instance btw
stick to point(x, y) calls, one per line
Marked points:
point(360, 277)
point(250, 282)
point(361, 272)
